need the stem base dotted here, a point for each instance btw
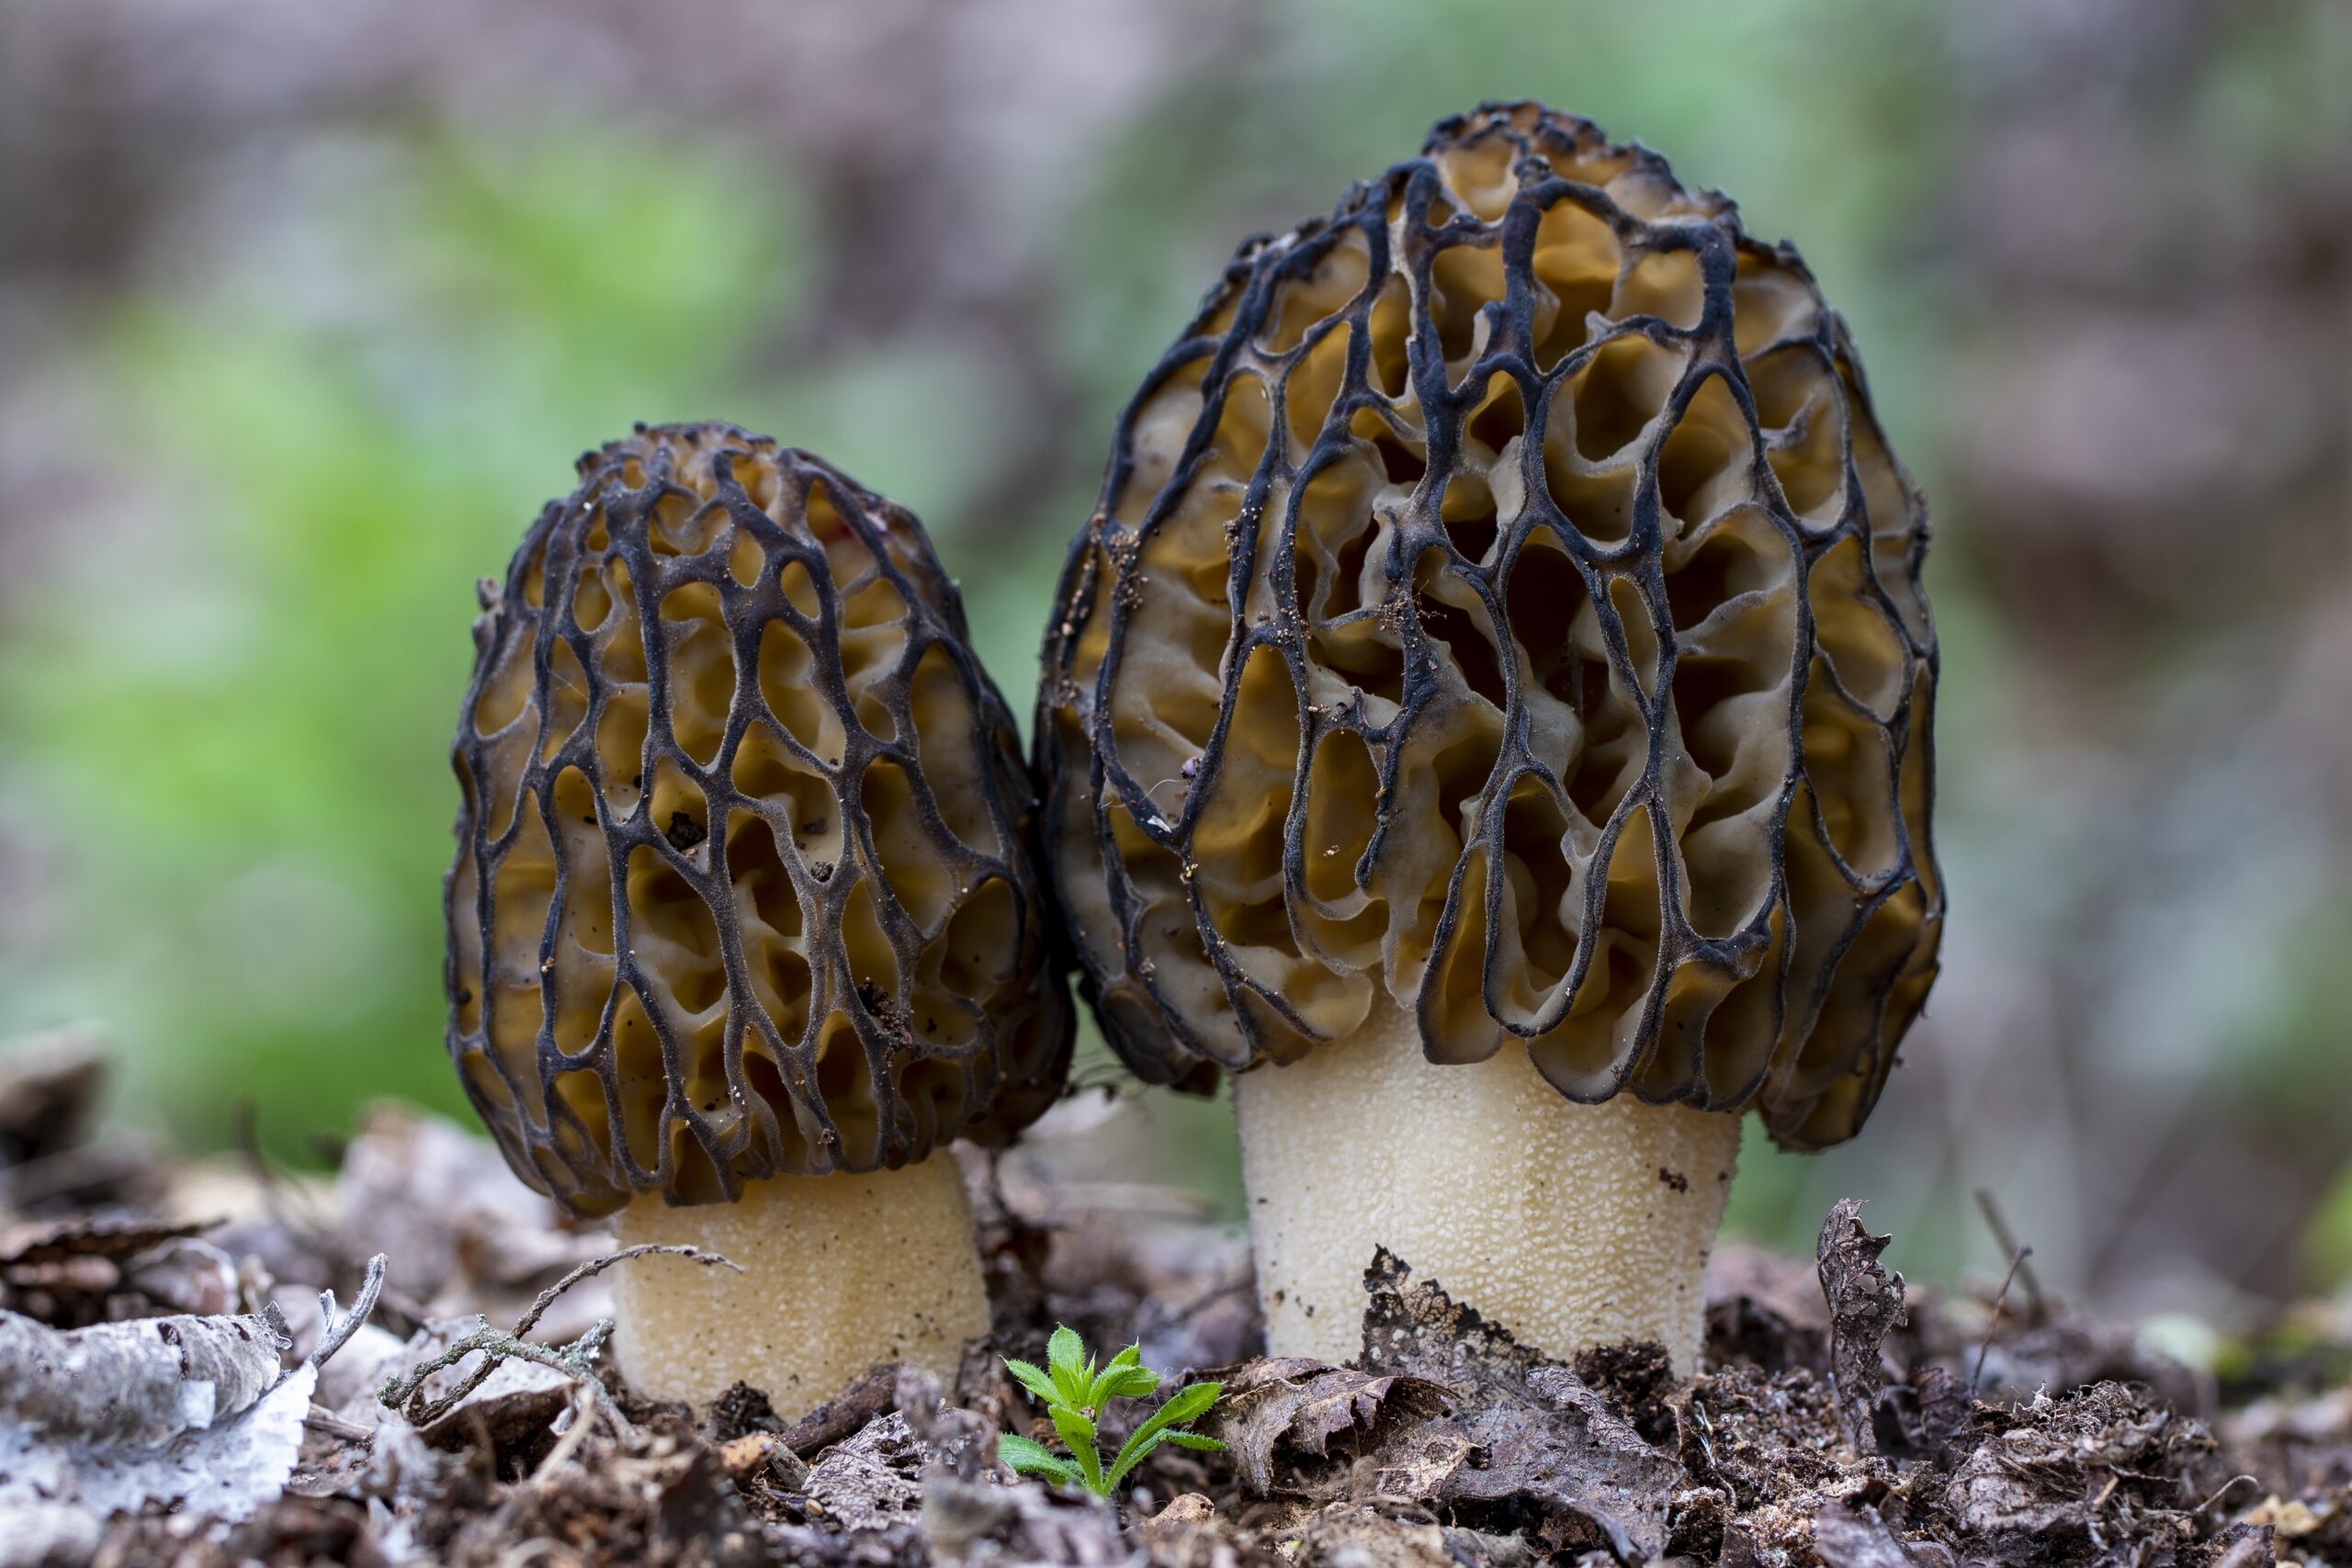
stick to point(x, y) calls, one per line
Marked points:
point(839, 1272)
point(1572, 1225)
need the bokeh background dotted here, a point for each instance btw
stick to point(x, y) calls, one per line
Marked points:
point(304, 309)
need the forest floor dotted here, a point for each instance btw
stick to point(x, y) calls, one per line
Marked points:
point(174, 1390)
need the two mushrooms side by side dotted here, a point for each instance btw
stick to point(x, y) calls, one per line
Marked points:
point(1488, 714)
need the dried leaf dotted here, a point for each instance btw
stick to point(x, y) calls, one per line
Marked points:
point(964, 1520)
point(54, 1241)
point(1356, 1537)
point(50, 1087)
point(1302, 1404)
point(1865, 1305)
point(1524, 1430)
point(77, 1271)
point(2070, 1466)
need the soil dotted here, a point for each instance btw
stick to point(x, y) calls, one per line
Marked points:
point(1842, 1421)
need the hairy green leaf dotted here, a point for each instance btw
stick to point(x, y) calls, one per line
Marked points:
point(1034, 1381)
point(1182, 1406)
point(1029, 1458)
point(1073, 1391)
point(1123, 1383)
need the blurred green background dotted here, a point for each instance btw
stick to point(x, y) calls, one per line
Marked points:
point(304, 312)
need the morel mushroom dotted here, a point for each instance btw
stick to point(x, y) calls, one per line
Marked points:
point(743, 923)
point(1488, 712)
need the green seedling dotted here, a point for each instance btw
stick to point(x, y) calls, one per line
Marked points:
point(1074, 1393)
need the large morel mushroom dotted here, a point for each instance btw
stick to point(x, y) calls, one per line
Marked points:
point(743, 923)
point(1488, 712)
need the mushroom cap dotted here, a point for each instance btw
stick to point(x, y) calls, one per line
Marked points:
point(1504, 593)
point(757, 890)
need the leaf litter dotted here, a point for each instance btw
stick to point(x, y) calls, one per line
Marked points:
point(181, 1384)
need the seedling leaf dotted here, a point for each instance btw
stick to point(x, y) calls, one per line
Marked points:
point(1078, 1435)
point(1182, 1406)
point(1030, 1458)
point(1073, 1391)
point(1034, 1381)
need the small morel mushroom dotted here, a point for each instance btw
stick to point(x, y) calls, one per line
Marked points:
point(1488, 712)
point(743, 923)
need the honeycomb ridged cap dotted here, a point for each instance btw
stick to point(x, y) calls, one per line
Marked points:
point(1503, 593)
point(752, 893)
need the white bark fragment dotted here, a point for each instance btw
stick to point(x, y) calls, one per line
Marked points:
point(193, 1412)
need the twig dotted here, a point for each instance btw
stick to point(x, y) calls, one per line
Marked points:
point(598, 1265)
point(278, 1198)
point(2017, 1262)
point(1707, 1432)
point(1999, 1226)
point(322, 1419)
point(2227, 1487)
point(576, 1360)
point(337, 1331)
point(583, 1416)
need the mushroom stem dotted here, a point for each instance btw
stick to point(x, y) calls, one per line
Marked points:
point(840, 1272)
point(1572, 1225)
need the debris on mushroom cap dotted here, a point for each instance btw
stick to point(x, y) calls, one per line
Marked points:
point(1518, 553)
point(757, 888)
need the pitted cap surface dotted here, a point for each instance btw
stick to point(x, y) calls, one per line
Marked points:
point(1504, 595)
point(743, 884)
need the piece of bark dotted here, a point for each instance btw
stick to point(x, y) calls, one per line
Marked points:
point(191, 1413)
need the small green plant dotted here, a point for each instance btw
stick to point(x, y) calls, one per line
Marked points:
point(1074, 1393)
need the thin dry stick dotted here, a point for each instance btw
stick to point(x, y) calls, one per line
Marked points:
point(598, 1265)
point(583, 1416)
point(2228, 1486)
point(576, 1360)
point(337, 1331)
point(1999, 1226)
point(406, 1394)
point(2017, 1262)
point(323, 1420)
point(279, 1200)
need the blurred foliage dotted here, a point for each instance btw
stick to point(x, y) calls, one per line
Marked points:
point(2328, 1248)
point(260, 715)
